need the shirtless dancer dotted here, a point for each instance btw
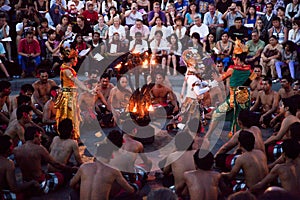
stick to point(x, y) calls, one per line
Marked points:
point(49, 111)
point(5, 90)
point(256, 84)
point(8, 183)
point(96, 178)
point(29, 157)
point(252, 161)
point(203, 183)
point(245, 121)
point(268, 100)
point(104, 87)
point(63, 146)
point(42, 88)
point(287, 172)
point(289, 108)
point(161, 94)
point(180, 161)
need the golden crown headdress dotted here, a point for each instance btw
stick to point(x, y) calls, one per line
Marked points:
point(239, 47)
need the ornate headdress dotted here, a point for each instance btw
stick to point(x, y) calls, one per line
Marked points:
point(239, 47)
point(67, 52)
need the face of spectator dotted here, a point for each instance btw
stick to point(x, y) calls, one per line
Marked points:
point(238, 24)
point(96, 37)
point(158, 22)
point(134, 7)
point(193, 7)
point(259, 24)
point(79, 39)
point(65, 21)
point(44, 24)
point(269, 8)
point(211, 9)
point(255, 37)
point(284, 83)
point(295, 26)
point(158, 36)
point(116, 36)
point(91, 7)
point(104, 82)
point(173, 39)
point(139, 24)
point(2, 21)
point(44, 77)
point(276, 24)
point(123, 82)
point(257, 71)
point(101, 20)
point(295, 2)
point(224, 37)
point(29, 38)
point(112, 12)
point(280, 13)
point(251, 10)
point(178, 22)
point(287, 48)
point(197, 21)
point(116, 22)
point(159, 79)
point(80, 22)
point(272, 41)
point(211, 38)
point(156, 8)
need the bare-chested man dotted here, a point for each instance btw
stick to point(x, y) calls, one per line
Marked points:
point(162, 94)
point(96, 179)
point(287, 172)
point(16, 128)
point(203, 183)
point(245, 121)
point(49, 110)
point(104, 87)
point(289, 108)
point(29, 157)
point(5, 90)
point(252, 161)
point(63, 146)
point(180, 161)
point(8, 183)
point(42, 88)
point(256, 84)
point(268, 102)
point(286, 89)
point(125, 158)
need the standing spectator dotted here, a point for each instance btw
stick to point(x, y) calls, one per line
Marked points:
point(268, 17)
point(29, 52)
point(82, 27)
point(4, 34)
point(90, 14)
point(190, 15)
point(232, 12)
point(278, 30)
point(288, 58)
point(132, 15)
point(156, 12)
point(101, 28)
point(139, 27)
point(200, 28)
point(269, 55)
point(213, 19)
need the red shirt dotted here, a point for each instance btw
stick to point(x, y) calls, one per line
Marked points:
point(91, 18)
point(29, 48)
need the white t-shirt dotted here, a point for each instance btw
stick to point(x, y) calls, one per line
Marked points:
point(130, 20)
point(121, 30)
point(202, 30)
point(139, 48)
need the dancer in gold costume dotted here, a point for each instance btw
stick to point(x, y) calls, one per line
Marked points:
point(67, 102)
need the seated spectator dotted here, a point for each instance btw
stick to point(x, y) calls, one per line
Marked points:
point(171, 14)
point(139, 27)
point(156, 12)
point(132, 15)
point(116, 27)
point(223, 5)
point(138, 45)
point(213, 19)
point(203, 181)
point(78, 4)
point(101, 28)
point(284, 21)
point(251, 16)
point(262, 32)
point(181, 7)
point(115, 49)
point(200, 28)
point(90, 14)
point(179, 29)
point(41, 5)
point(54, 16)
point(109, 18)
point(158, 26)
point(278, 30)
point(52, 52)
point(292, 10)
point(106, 5)
point(143, 5)
point(97, 6)
point(4, 34)
point(231, 14)
point(43, 35)
point(62, 26)
point(22, 27)
point(159, 48)
point(266, 103)
point(189, 18)
point(225, 48)
point(288, 59)
point(269, 56)
point(79, 44)
point(82, 27)
point(29, 52)
point(238, 31)
point(294, 33)
point(174, 54)
point(255, 48)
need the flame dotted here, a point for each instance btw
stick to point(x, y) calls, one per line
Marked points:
point(153, 62)
point(145, 63)
point(134, 110)
point(150, 109)
point(118, 66)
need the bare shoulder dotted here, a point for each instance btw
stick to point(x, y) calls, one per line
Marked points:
point(52, 82)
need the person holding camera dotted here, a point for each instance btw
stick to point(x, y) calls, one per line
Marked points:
point(232, 13)
point(132, 15)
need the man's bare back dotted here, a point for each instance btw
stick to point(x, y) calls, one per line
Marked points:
point(49, 112)
point(96, 180)
point(202, 184)
point(61, 150)
point(16, 131)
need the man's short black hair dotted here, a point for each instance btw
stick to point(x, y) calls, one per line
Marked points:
point(31, 132)
point(268, 80)
point(183, 141)
point(65, 128)
point(23, 109)
point(26, 87)
point(23, 99)
point(276, 19)
point(105, 75)
point(258, 66)
point(4, 85)
point(5, 143)
point(290, 148)
point(246, 140)
point(203, 159)
point(238, 19)
point(247, 118)
point(292, 103)
point(287, 78)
